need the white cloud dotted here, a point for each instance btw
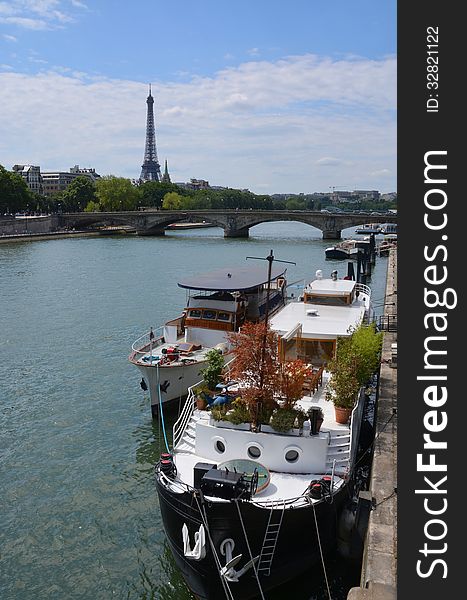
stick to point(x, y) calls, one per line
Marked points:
point(328, 161)
point(9, 38)
point(26, 22)
point(275, 124)
point(36, 14)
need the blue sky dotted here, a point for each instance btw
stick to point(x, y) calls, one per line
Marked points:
point(268, 95)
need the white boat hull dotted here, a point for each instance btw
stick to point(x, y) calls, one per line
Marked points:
point(174, 381)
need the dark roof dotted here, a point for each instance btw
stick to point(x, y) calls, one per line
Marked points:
point(241, 278)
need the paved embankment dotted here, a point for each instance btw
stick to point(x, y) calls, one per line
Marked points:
point(379, 569)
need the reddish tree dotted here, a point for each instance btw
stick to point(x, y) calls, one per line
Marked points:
point(293, 375)
point(257, 366)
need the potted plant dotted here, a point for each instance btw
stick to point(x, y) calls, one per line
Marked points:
point(201, 392)
point(255, 352)
point(213, 372)
point(357, 357)
point(283, 419)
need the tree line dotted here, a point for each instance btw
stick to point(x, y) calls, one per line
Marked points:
point(112, 193)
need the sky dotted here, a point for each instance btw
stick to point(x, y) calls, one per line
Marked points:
point(273, 96)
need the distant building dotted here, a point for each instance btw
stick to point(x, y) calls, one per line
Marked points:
point(58, 181)
point(343, 196)
point(195, 184)
point(367, 194)
point(31, 175)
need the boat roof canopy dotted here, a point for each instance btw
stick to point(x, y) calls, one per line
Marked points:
point(234, 279)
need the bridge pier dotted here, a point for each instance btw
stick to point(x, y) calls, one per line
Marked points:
point(332, 234)
point(236, 233)
point(150, 232)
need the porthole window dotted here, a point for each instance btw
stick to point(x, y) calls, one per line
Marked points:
point(291, 456)
point(220, 446)
point(254, 452)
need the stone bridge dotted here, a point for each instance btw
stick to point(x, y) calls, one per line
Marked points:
point(235, 223)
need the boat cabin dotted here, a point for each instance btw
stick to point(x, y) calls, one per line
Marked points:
point(222, 300)
point(329, 309)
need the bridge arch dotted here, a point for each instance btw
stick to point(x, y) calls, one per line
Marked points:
point(235, 223)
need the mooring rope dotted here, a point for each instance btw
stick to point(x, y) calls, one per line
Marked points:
point(320, 548)
point(249, 550)
point(204, 518)
point(161, 409)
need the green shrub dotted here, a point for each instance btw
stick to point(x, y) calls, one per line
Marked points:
point(212, 373)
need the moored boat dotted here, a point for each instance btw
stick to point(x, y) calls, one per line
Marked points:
point(388, 228)
point(368, 228)
point(171, 357)
point(389, 242)
point(245, 507)
point(346, 249)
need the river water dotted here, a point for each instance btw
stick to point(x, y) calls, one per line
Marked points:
point(79, 515)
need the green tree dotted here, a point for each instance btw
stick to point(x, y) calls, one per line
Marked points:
point(78, 194)
point(357, 358)
point(153, 192)
point(14, 193)
point(172, 201)
point(92, 207)
point(366, 344)
point(116, 193)
point(201, 202)
point(295, 204)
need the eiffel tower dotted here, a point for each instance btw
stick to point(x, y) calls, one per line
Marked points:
point(150, 170)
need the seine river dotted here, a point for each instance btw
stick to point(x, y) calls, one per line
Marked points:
point(79, 515)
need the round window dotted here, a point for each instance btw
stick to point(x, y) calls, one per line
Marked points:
point(291, 456)
point(254, 452)
point(220, 446)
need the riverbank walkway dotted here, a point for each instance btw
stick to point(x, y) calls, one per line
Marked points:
point(379, 568)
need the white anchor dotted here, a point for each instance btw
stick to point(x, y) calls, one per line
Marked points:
point(199, 549)
point(228, 572)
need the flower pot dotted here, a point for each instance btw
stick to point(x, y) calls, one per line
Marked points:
point(342, 414)
point(201, 403)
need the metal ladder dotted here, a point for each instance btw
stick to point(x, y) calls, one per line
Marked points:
point(270, 540)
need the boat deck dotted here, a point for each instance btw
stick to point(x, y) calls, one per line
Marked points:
point(282, 486)
point(153, 358)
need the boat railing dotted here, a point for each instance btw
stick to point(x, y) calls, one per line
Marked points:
point(143, 344)
point(186, 414)
point(363, 289)
point(189, 407)
point(386, 323)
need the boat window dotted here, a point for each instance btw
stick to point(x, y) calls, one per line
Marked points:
point(223, 316)
point(220, 447)
point(316, 352)
point(328, 300)
point(209, 314)
point(195, 314)
point(254, 452)
point(291, 456)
